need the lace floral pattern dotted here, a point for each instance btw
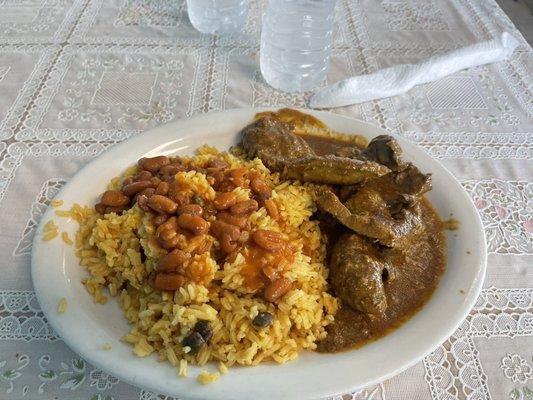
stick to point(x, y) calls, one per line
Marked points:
point(414, 16)
point(48, 191)
point(506, 209)
point(516, 368)
point(21, 317)
point(78, 76)
point(149, 13)
point(37, 21)
point(454, 369)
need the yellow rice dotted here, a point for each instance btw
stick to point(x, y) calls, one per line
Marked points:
point(62, 306)
point(56, 203)
point(66, 238)
point(222, 368)
point(109, 247)
point(50, 231)
point(206, 378)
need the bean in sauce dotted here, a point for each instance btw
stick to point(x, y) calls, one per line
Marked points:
point(245, 207)
point(114, 198)
point(193, 223)
point(162, 204)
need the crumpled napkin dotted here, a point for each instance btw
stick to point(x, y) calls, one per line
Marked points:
point(401, 78)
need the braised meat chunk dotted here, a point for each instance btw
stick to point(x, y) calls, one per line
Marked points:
point(357, 271)
point(332, 170)
point(385, 150)
point(273, 142)
point(283, 151)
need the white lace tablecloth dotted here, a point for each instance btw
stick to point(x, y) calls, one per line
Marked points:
point(77, 76)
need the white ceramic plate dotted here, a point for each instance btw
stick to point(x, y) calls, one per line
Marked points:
point(86, 326)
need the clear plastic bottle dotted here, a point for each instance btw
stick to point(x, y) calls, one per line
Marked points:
point(217, 16)
point(296, 41)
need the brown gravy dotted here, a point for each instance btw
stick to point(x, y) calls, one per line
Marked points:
point(418, 266)
point(323, 145)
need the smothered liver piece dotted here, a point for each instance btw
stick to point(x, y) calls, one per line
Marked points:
point(385, 241)
point(283, 151)
point(356, 269)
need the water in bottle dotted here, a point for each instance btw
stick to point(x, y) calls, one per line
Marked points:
point(296, 42)
point(217, 16)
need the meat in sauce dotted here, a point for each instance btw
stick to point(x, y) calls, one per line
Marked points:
point(386, 245)
point(388, 284)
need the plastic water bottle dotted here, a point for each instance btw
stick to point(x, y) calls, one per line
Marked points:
point(217, 16)
point(296, 42)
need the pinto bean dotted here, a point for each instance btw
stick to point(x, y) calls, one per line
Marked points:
point(224, 200)
point(177, 194)
point(168, 281)
point(272, 208)
point(217, 163)
point(245, 207)
point(155, 181)
point(268, 240)
point(224, 186)
point(241, 222)
point(162, 204)
point(217, 174)
point(142, 201)
point(167, 234)
point(148, 192)
point(168, 172)
point(162, 188)
point(227, 235)
point(114, 198)
point(259, 187)
point(193, 223)
point(153, 164)
point(192, 209)
point(100, 208)
point(143, 176)
point(237, 176)
point(173, 260)
point(277, 289)
point(127, 181)
point(136, 187)
point(160, 219)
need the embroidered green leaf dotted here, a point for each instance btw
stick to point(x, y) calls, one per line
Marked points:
point(96, 397)
point(73, 383)
point(48, 375)
point(10, 374)
point(78, 365)
point(528, 393)
point(515, 394)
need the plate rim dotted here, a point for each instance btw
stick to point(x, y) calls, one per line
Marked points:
point(473, 291)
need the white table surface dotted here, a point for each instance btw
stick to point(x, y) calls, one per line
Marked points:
point(79, 76)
